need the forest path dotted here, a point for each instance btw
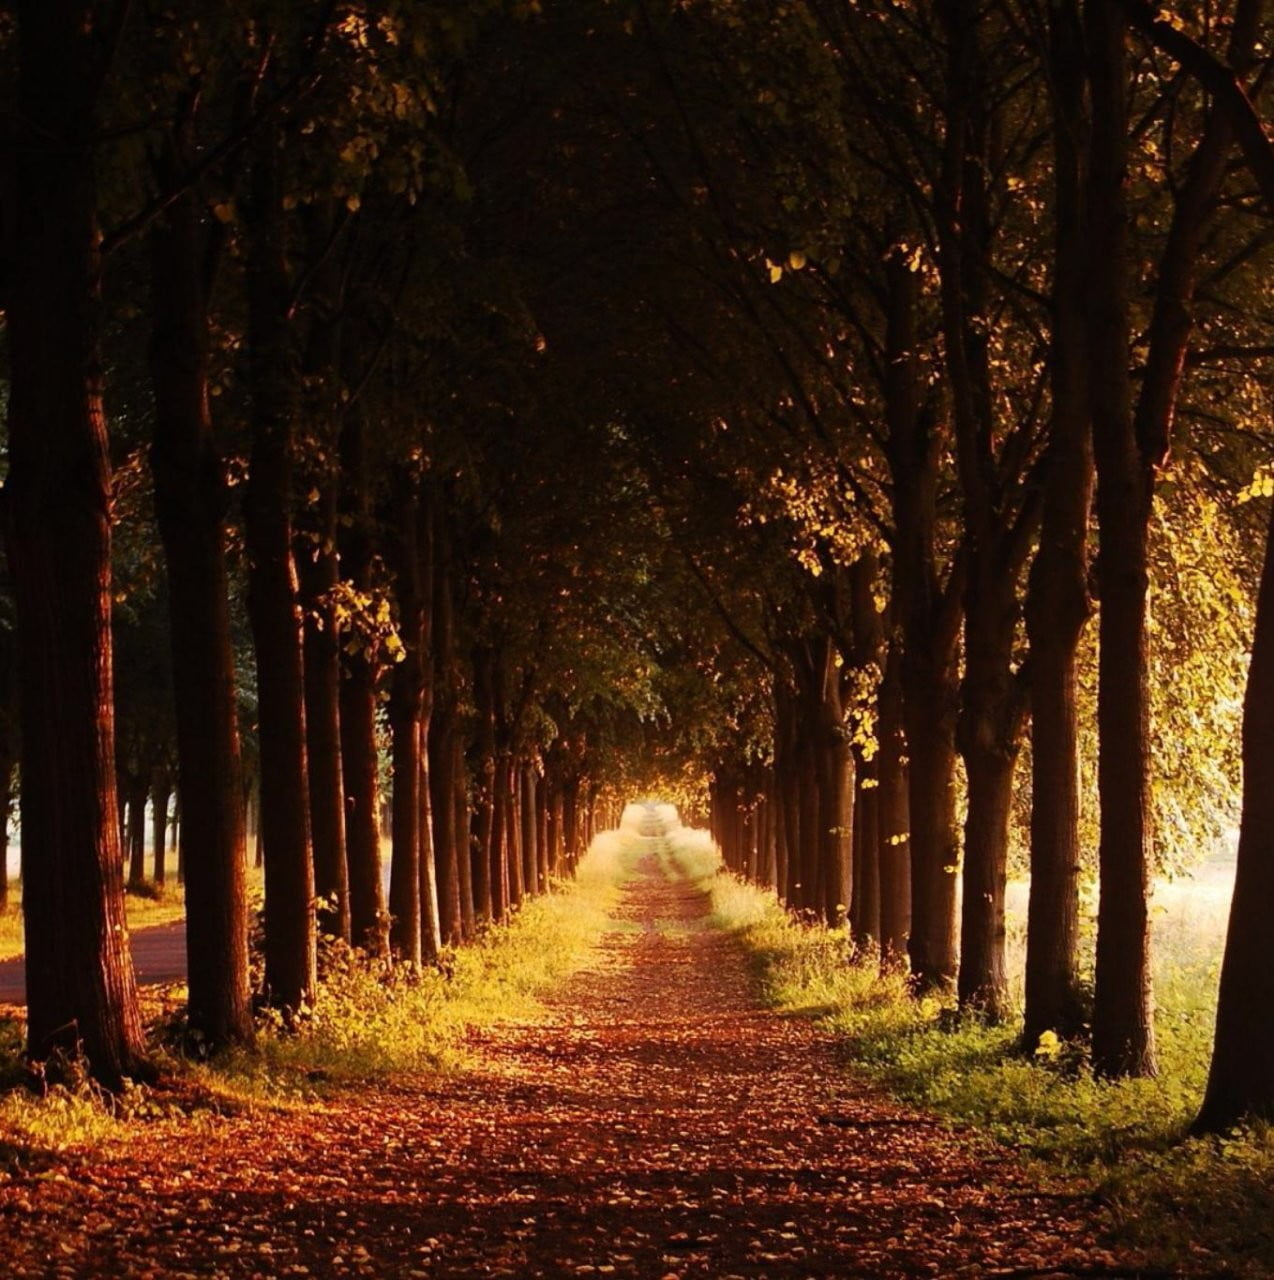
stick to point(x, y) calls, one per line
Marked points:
point(653, 1121)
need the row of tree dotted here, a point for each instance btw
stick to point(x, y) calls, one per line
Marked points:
point(541, 400)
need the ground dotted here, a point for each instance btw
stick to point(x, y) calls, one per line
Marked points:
point(655, 1120)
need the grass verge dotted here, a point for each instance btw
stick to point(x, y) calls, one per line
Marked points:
point(1202, 1206)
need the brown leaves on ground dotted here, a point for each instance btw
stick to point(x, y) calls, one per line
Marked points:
point(655, 1122)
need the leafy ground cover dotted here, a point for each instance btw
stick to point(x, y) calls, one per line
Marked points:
point(632, 1109)
point(1194, 1205)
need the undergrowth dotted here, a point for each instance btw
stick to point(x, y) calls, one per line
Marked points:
point(1190, 1202)
point(367, 1023)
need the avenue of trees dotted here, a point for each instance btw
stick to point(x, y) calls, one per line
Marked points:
point(842, 416)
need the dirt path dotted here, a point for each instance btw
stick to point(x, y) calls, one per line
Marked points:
point(655, 1122)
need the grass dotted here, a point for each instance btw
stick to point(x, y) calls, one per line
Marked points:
point(1201, 1203)
point(367, 1023)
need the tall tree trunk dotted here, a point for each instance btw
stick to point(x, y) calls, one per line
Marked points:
point(868, 657)
point(10, 744)
point(1241, 1077)
point(990, 720)
point(462, 807)
point(865, 914)
point(893, 815)
point(273, 603)
point(929, 614)
point(486, 871)
point(513, 830)
point(359, 760)
point(544, 851)
point(319, 574)
point(570, 822)
point(1057, 604)
point(359, 769)
point(406, 706)
point(450, 843)
point(80, 985)
point(318, 568)
point(160, 793)
point(447, 849)
point(432, 938)
point(529, 808)
point(138, 789)
point(1123, 1029)
point(554, 842)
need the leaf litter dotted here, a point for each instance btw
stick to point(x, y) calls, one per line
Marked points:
point(652, 1120)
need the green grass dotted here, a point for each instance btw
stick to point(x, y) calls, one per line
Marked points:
point(1198, 1203)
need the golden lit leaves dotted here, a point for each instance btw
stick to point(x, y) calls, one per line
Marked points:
point(1261, 486)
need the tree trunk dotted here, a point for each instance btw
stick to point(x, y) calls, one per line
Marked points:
point(544, 849)
point(449, 845)
point(359, 761)
point(442, 788)
point(406, 705)
point(1241, 1078)
point(1057, 604)
point(529, 809)
point(865, 915)
point(319, 574)
point(318, 570)
point(138, 789)
point(570, 822)
point(1123, 1029)
point(432, 939)
point(80, 986)
point(462, 806)
point(513, 830)
point(929, 615)
point(273, 604)
point(160, 793)
point(935, 851)
point(893, 820)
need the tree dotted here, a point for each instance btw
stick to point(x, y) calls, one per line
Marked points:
point(81, 992)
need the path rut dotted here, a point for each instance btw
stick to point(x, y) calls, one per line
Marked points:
point(655, 1121)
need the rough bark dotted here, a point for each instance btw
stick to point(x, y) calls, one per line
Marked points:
point(191, 502)
point(1241, 1077)
point(80, 986)
point(273, 601)
point(406, 707)
point(359, 763)
point(528, 805)
point(893, 820)
point(1123, 1030)
point(449, 844)
point(138, 789)
point(161, 790)
point(1057, 604)
point(929, 616)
